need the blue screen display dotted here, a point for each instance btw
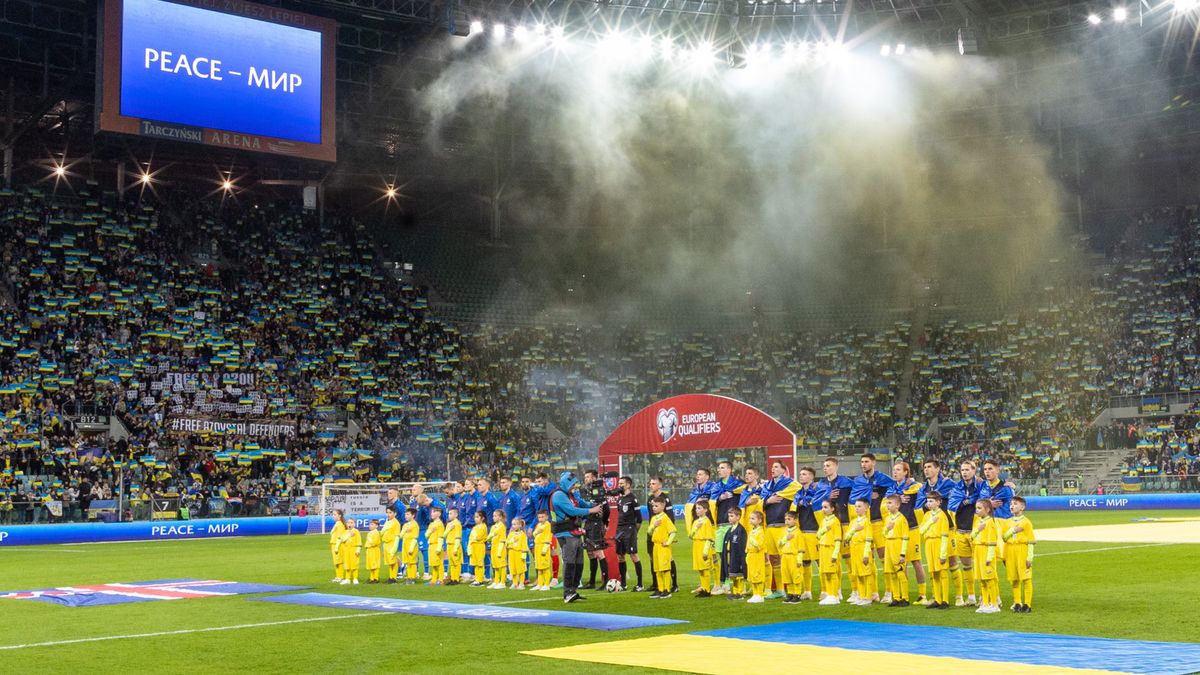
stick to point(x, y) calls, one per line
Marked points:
point(202, 68)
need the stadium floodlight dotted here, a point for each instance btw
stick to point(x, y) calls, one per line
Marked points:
point(390, 192)
point(1094, 19)
point(59, 171)
point(885, 50)
point(1120, 14)
point(498, 31)
point(476, 27)
point(1186, 5)
point(666, 48)
point(227, 185)
point(901, 48)
point(520, 33)
point(144, 178)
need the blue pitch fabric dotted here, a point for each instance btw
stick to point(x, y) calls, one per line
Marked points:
point(456, 610)
point(94, 595)
point(1068, 651)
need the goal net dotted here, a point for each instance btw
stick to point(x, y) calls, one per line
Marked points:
point(365, 500)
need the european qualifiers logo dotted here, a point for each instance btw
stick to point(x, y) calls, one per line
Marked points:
point(671, 424)
point(668, 422)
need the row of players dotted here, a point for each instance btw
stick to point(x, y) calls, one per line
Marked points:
point(788, 535)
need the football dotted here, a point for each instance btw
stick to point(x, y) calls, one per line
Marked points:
point(613, 586)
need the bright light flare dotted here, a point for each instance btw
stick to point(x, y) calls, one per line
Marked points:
point(520, 33)
point(227, 185)
point(144, 178)
point(885, 50)
point(476, 27)
point(1120, 14)
point(1094, 19)
point(499, 31)
point(60, 171)
point(390, 192)
point(901, 48)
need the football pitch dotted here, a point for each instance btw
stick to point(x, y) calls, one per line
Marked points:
point(1142, 591)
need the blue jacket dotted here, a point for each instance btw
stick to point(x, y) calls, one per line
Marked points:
point(487, 502)
point(943, 486)
point(511, 503)
point(841, 506)
point(702, 492)
point(528, 507)
point(962, 503)
point(872, 489)
point(1000, 492)
point(564, 505)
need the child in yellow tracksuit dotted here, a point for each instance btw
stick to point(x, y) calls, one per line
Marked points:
point(756, 557)
point(453, 547)
point(662, 537)
point(335, 536)
point(517, 547)
point(542, 544)
point(829, 555)
point(1018, 556)
point(373, 556)
point(498, 538)
point(477, 549)
point(703, 547)
point(408, 545)
point(791, 558)
point(435, 536)
point(349, 548)
point(895, 533)
point(859, 537)
point(389, 542)
point(983, 538)
point(935, 535)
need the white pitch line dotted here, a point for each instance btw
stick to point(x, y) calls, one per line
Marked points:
point(1106, 548)
point(517, 602)
point(186, 631)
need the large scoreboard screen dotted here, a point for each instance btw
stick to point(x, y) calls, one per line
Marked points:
point(219, 72)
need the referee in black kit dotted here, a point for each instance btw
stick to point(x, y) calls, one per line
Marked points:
point(629, 520)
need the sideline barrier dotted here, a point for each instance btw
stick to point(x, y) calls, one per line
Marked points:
point(148, 530)
point(1119, 502)
point(82, 533)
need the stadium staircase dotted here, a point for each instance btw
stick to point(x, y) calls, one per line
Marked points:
point(1096, 466)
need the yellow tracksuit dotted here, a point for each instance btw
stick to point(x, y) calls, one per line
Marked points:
point(756, 560)
point(373, 555)
point(983, 537)
point(518, 547)
point(935, 534)
point(409, 549)
point(829, 555)
point(349, 548)
point(335, 536)
point(703, 536)
point(895, 533)
point(498, 536)
point(477, 551)
point(1018, 558)
point(542, 543)
point(859, 537)
point(390, 543)
point(791, 555)
point(662, 536)
point(454, 550)
point(435, 536)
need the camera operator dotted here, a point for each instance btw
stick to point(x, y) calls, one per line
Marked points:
point(566, 508)
point(595, 527)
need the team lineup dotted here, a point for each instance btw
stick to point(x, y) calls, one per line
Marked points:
point(751, 539)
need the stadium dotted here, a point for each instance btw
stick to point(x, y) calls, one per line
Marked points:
point(617, 335)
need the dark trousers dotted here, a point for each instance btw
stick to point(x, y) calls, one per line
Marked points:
point(570, 552)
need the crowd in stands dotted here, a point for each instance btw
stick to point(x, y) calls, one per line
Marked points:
point(250, 353)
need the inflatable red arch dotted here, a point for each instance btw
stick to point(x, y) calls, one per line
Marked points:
point(692, 422)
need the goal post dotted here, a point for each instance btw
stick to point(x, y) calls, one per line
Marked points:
point(365, 500)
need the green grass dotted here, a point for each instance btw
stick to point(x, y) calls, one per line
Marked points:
point(1141, 593)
